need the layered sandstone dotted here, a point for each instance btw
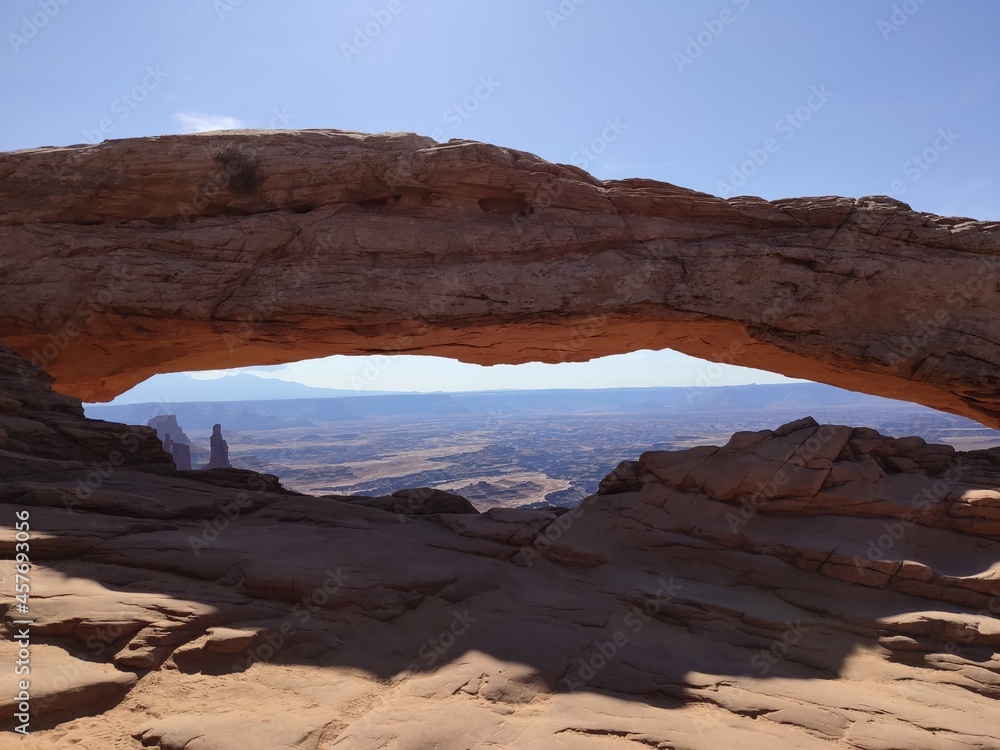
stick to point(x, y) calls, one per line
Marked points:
point(259, 247)
point(814, 586)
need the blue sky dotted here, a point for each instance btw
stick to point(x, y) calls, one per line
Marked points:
point(774, 98)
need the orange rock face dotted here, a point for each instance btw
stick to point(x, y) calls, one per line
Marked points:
point(133, 257)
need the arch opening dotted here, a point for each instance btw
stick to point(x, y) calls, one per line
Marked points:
point(530, 435)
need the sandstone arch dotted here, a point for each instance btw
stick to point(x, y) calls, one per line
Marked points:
point(133, 257)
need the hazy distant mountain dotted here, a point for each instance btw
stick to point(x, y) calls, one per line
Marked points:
point(796, 399)
point(176, 388)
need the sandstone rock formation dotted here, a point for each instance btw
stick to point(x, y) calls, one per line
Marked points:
point(175, 441)
point(219, 457)
point(165, 424)
point(259, 247)
point(182, 456)
point(44, 431)
point(813, 586)
point(421, 501)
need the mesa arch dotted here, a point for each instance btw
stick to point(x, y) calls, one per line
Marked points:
point(134, 257)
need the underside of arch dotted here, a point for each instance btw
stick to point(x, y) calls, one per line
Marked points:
point(135, 257)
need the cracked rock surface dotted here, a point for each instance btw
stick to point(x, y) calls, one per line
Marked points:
point(327, 242)
point(814, 586)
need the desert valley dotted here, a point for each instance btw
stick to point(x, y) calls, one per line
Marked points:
point(515, 448)
point(772, 566)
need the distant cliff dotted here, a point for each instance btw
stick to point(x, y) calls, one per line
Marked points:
point(175, 442)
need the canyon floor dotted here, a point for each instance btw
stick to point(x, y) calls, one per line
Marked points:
point(512, 448)
point(809, 586)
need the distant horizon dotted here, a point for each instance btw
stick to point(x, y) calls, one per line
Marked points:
point(125, 399)
point(176, 387)
point(414, 373)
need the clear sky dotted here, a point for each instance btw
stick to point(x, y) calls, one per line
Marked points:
point(774, 98)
